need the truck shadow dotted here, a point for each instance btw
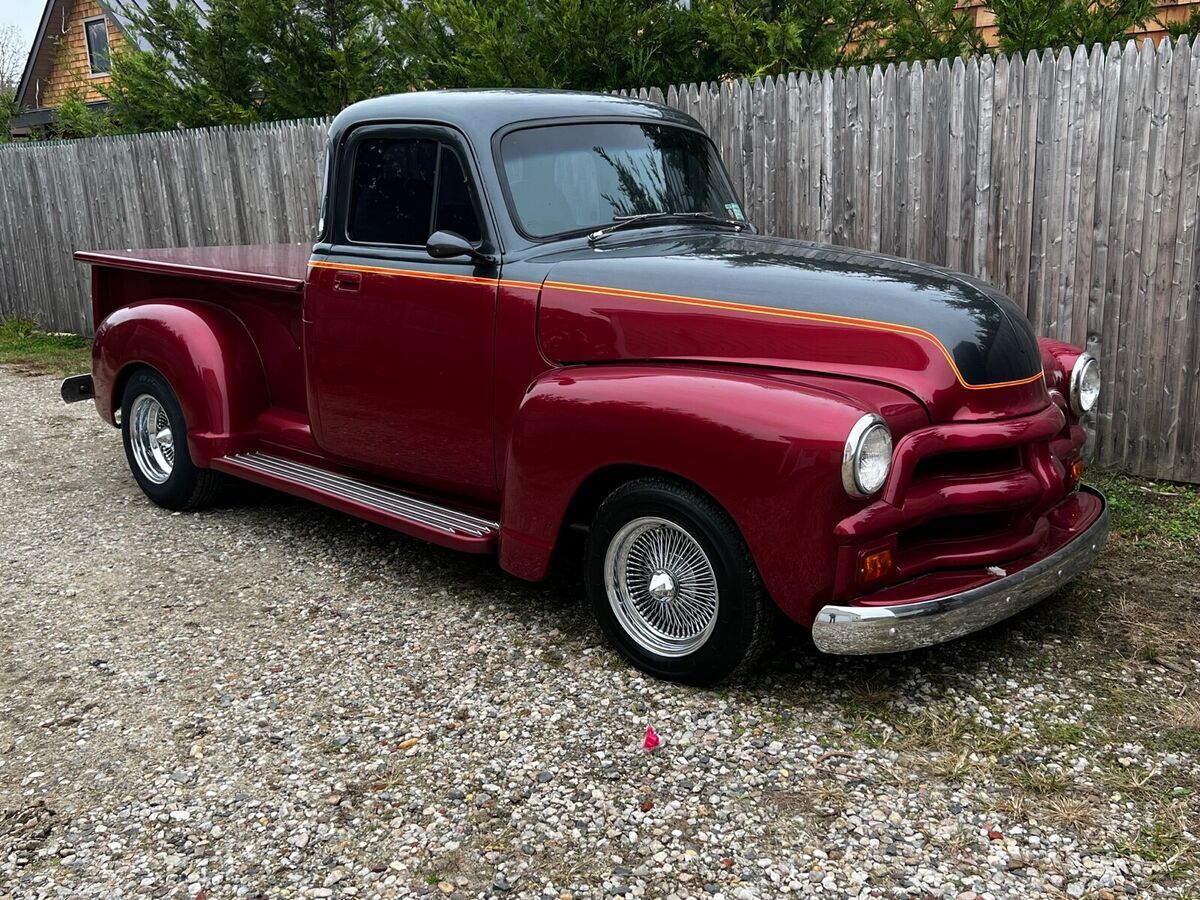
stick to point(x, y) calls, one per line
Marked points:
point(559, 606)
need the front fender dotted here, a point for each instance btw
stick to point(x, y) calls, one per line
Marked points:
point(206, 355)
point(768, 450)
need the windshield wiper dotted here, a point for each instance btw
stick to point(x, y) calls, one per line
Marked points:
point(661, 217)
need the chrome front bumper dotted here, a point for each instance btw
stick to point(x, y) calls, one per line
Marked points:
point(858, 630)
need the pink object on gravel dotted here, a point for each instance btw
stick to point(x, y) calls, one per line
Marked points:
point(652, 741)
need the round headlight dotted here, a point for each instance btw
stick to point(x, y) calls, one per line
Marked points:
point(867, 458)
point(1085, 384)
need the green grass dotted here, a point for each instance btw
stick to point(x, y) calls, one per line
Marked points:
point(1154, 516)
point(34, 352)
point(1164, 842)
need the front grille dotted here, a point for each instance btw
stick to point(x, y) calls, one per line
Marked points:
point(968, 463)
point(955, 528)
point(960, 496)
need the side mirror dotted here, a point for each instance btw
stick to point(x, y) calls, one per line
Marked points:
point(449, 244)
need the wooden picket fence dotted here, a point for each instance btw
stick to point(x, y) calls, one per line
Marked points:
point(1069, 180)
point(202, 187)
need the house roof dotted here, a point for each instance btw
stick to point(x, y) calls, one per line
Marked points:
point(41, 55)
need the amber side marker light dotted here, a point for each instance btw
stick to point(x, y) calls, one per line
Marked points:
point(1077, 468)
point(874, 566)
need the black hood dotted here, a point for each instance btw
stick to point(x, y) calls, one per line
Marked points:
point(985, 335)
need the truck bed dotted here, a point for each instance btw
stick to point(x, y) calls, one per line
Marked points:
point(279, 267)
point(262, 287)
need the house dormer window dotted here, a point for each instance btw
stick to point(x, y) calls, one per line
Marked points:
point(96, 32)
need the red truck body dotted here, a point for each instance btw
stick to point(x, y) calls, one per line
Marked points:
point(488, 402)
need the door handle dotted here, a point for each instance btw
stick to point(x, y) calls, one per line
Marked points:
point(347, 281)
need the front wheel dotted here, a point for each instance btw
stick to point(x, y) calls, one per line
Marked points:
point(673, 585)
point(155, 436)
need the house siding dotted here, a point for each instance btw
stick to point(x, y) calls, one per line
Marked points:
point(69, 70)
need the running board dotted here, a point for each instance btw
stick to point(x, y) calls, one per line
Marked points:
point(420, 518)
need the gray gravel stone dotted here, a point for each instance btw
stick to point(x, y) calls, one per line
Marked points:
point(271, 699)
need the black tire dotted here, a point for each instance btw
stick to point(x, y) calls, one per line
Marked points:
point(188, 486)
point(745, 615)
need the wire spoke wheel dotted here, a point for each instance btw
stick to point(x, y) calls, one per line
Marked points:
point(661, 586)
point(151, 438)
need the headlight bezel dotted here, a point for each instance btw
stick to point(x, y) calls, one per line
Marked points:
point(852, 455)
point(1075, 389)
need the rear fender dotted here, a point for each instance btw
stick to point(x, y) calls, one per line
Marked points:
point(206, 355)
point(768, 451)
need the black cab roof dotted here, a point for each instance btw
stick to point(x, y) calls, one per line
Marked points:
point(480, 113)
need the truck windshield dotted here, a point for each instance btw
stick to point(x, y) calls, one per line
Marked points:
point(574, 178)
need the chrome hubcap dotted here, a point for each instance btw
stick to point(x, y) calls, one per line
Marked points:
point(661, 586)
point(151, 438)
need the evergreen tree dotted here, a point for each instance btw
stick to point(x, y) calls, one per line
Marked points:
point(75, 119)
point(1189, 26)
point(1027, 25)
point(575, 44)
point(244, 61)
point(192, 73)
point(319, 56)
point(254, 60)
point(910, 30)
point(768, 37)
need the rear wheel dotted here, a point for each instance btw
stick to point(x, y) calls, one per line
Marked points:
point(155, 436)
point(673, 585)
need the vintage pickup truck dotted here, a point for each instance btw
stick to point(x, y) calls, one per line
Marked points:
point(532, 314)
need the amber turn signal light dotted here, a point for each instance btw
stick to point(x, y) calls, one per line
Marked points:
point(874, 566)
point(1077, 472)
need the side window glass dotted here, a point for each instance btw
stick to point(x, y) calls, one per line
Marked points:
point(455, 210)
point(391, 193)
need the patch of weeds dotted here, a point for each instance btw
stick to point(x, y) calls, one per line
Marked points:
point(953, 766)
point(1136, 602)
point(1062, 734)
point(1135, 782)
point(1185, 715)
point(962, 840)
point(1164, 842)
point(35, 352)
point(779, 720)
point(1068, 813)
point(1037, 781)
point(874, 693)
point(1156, 516)
point(1015, 807)
point(1176, 723)
point(939, 728)
point(940, 739)
point(1179, 740)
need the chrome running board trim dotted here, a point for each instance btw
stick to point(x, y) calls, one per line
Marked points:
point(422, 512)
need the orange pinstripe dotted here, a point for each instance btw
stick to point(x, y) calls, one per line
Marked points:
point(725, 305)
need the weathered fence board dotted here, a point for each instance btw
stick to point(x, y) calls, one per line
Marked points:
point(1070, 180)
point(215, 186)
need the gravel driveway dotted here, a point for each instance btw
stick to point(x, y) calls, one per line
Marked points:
point(271, 698)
